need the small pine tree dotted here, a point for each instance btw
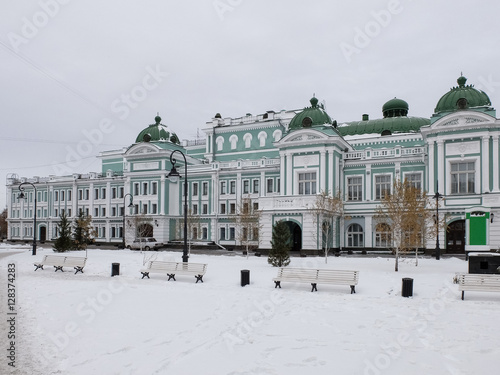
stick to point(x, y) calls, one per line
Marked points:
point(280, 245)
point(64, 242)
point(83, 234)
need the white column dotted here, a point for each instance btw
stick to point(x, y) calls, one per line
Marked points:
point(161, 195)
point(485, 157)
point(440, 160)
point(430, 168)
point(332, 168)
point(368, 231)
point(282, 174)
point(322, 162)
point(496, 165)
point(289, 175)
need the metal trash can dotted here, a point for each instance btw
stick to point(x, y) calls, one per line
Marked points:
point(245, 277)
point(407, 289)
point(115, 269)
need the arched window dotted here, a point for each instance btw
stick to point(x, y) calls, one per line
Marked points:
point(220, 143)
point(277, 135)
point(383, 235)
point(355, 236)
point(248, 140)
point(233, 140)
point(262, 138)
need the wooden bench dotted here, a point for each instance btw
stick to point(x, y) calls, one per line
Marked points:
point(62, 261)
point(478, 282)
point(317, 276)
point(172, 268)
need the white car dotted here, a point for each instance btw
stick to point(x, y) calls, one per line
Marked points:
point(149, 243)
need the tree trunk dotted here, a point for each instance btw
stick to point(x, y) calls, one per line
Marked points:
point(396, 266)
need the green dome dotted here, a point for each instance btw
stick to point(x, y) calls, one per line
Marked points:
point(384, 126)
point(462, 97)
point(310, 116)
point(157, 132)
point(395, 107)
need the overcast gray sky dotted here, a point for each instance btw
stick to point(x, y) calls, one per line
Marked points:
point(80, 77)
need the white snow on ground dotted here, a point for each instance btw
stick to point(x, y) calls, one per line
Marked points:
point(93, 323)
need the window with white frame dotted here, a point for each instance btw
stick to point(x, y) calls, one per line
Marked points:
point(355, 236)
point(121, 192)
point(62, 195)
point(154, 188)
point(195, 209)
point(205, 209)
point(136, 188)
point(269, 185)
point(354, 189)
point(383, 235)
point(246, 186)
point(223, 187)
point(113, 193)
point(234, 141)
point(154, 208)
point(248, 140)
point(232, 187)
point(463, 176)
point(232, 233)
point(223, 208)
point(205, 188)
point(307, 183)
point(414, 180)
point(262, 139)
point(256, 185)
point(232, 208)
point(204, 233)
point(382, 186)
point(220, 143)
point(144, 188)
point(195, 188)
point(222, 233)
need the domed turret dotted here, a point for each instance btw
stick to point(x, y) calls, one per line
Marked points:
point(157, 132)
point(310, 116)
point(394, 108)
point(462, 97)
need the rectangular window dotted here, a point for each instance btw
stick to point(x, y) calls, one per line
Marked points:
point(154, 188)
point(136, 189)
point(255, 233)
point(87, 213)
point(205, 209)
point(354, 189)
point(113, 211)
point(144, 208)
point(232, 208)
point(222, 234)
point(195, 233)
point(154, 208)
point(96, 211)
point(205, 188)
point(103, 210)
point(87, 194)
point(113, 193)
point(269, 185)
point(255, 206)
point(382, 186)
point(113, 232)
point(307, 183)
point(121, 192)
point(222, 208)
point(56, 196)
point(144, 188)
point(204, 232)
point(256, 186)
point(246, 186)
point(103, 193)
point(195, 188)
point(62, 195)
point(70, 195)
point(231, 233)
point(232, 187)
point(463, 177)
point(195, 209)
point(278, 185)
point(223, 187)
point(136, 209)
point(96, 193)
point(414, 179)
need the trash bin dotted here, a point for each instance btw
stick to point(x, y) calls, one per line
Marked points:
point(245, 277)
point(484, 263)
point(115, 269)
point(407, 289)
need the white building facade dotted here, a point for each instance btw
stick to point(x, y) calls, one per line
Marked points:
point(280, 161)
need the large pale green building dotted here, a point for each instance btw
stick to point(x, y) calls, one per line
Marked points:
point(279, 162)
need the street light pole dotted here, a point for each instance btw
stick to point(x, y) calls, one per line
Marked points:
point(124, 212)
point(21, 196)
point(437, 196)
point(174, 175)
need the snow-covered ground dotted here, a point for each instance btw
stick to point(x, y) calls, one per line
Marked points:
point(93, 323)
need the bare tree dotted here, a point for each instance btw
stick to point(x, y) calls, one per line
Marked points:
point(143, 228)
point(3, 224)
point(248, 224)
point(405, 213)
point(193, 227)
point(325, 211)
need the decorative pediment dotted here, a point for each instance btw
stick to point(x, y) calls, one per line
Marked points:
point(142, 149)
point(461, 119)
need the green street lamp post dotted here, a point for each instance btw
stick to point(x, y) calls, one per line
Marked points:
point(124, 213)
point(22, 196)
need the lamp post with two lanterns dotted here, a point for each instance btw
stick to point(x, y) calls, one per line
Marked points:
point(22, 196)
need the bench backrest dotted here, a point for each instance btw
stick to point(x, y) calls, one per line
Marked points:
point(75, 261)
point(308, 274)
point(483, 281)
point(53, 260)
point(69, 261)
point(158, 265)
